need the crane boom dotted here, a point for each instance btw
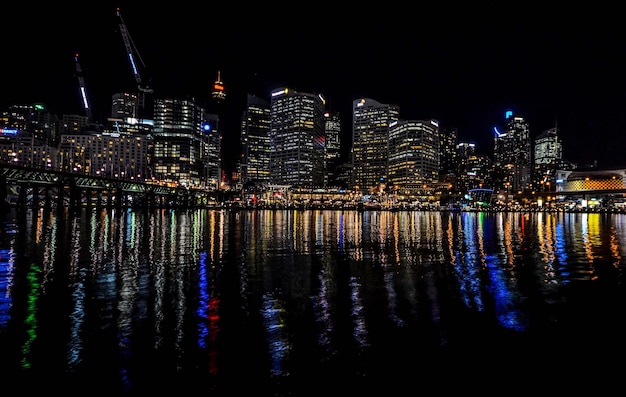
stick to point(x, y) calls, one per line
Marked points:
point(133, 56)
point(83, 90)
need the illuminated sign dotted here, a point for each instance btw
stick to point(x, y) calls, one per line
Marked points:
point(280, 92)
point(8, 131)
point(508, 114)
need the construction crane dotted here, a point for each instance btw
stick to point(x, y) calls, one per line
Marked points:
point(133, 56)
point(83, 90)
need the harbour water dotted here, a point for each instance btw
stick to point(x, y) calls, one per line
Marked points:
point(219, 302)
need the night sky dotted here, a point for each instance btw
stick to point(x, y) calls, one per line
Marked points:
point(462, 66)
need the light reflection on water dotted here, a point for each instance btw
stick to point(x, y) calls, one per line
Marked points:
point(283, 299)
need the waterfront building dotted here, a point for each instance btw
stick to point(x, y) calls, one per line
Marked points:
point(212, 152)
point(473, 169)
point(106, 154)
point(448, 161)
point(512, 154)
point(179, 142)
point(332, 146)
point(370, 143)
point(296, 138)
point(548, 147)
point(255, 142)
point(413, 154)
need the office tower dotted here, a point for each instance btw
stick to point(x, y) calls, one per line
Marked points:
point(211, 151)
point(512, 155)
point(548, 147)
point(548, 157)
point(473, 170)
point(296, 138)
point(448, 140)
point(332, 147)
point(255, 141)
point(413, 154)
point(179, 142)
point(370, 139)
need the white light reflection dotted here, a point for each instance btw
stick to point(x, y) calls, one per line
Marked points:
point(279, 345)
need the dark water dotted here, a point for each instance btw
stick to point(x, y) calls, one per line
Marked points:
point(290, 303)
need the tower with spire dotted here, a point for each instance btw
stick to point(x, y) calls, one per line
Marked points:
point(218, 93)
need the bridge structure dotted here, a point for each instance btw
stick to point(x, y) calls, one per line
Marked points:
point(35, 187)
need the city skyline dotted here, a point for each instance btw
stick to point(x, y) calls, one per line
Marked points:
point(465, 75)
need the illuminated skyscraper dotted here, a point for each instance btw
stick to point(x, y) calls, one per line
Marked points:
point(512, 155)
point(413, 153)
point(548, 147)
point(179, 142)
point(297, 138)
point(255, 141)
point(332, 147)
point(370, 142)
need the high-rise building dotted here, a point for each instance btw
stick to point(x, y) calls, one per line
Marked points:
point(448, 162)
point(473, 169)
point(296, 138)
point(512, 154)
point(413, 154)
point(548, 147)
point(211, 151)
point(255, 141)
point(332, 147)
point(370, 142)
point(179, 142)
point(548, 158)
